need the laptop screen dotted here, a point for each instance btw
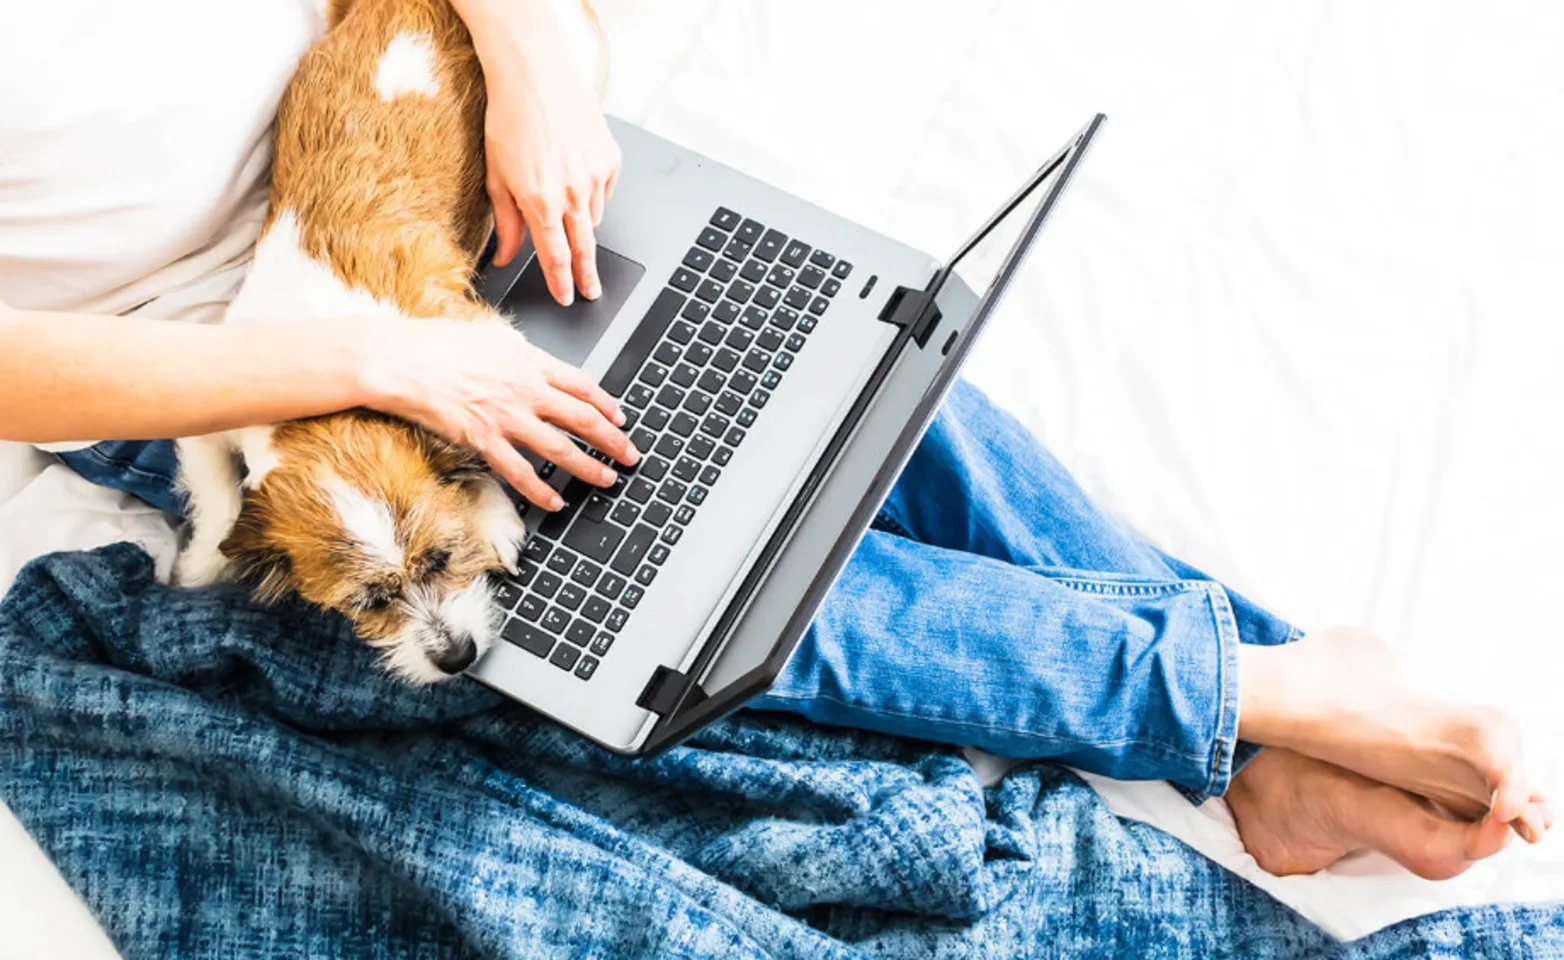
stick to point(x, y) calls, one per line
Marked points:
point(977, 255)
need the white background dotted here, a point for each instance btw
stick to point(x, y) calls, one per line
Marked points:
point(1298, 320)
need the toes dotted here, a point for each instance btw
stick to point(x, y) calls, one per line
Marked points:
point(1433, 846)
point(1484, 838)
point(1493, 744)
point(1533, 821)
point(1448, 848)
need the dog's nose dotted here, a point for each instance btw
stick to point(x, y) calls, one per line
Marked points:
point(457, 656)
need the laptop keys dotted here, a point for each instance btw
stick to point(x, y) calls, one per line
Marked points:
point(694, 376)
point(530, 608)
point(795, 254)
point(770, 246)
point(580, 632)
point(565, 656)
point(698, 259)
point(750, 231)
point(528, 638)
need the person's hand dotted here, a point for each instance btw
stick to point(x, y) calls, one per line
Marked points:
point(552, 162)
point(484, 386)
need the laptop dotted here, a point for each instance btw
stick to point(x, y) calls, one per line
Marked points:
point(778, 365)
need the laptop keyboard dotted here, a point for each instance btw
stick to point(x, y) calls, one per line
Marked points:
point(693, 379)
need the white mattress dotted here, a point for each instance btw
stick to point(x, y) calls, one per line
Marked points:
point(1297, 321)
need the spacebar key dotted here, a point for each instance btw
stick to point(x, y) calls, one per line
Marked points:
point(528, 638)
point(642, 341)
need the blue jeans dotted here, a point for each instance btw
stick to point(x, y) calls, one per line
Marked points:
point(992, 605)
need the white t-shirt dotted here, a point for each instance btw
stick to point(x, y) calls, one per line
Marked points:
point(134, 148)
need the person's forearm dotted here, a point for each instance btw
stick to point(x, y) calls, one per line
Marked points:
point(512, 33)
point(70, 377)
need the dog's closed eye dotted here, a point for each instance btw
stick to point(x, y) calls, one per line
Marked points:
point(435, 562)
point(376, 597)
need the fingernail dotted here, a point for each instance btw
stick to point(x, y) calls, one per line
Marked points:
point(593, 291)
point(556, 502)
point(570, 297)
point(619, 417)
point(632, 455)
point(609, 475)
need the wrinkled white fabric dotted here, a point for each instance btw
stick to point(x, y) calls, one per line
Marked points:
point(1295, 322)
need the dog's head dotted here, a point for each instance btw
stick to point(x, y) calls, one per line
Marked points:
point(388, 525)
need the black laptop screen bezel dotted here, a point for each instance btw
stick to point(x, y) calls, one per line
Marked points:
point(689, 715)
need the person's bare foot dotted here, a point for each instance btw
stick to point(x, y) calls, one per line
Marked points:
point(1299, 815)
point(1337, 696)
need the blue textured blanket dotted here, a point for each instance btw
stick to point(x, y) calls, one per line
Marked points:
point(220, 780)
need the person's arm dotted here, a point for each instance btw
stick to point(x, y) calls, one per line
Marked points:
point(552, 161)
point(79, 377)
point(67, 376)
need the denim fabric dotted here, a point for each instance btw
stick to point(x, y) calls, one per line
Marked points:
point(996, 606)
point(221, 780)
point(144, 468)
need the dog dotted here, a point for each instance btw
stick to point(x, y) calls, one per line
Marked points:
point(378, 207)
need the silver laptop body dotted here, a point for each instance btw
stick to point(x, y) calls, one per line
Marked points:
point(780, 363)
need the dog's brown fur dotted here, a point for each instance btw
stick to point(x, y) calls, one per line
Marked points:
point(389, 194)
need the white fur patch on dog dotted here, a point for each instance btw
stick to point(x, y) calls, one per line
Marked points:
point(469, 612)
point(259, 456)
point(366, 520)
point(407, 67)
point(500, 524)
point(285, 283)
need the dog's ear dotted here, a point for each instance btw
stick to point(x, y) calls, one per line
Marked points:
point(452, 462)
point(256, 559)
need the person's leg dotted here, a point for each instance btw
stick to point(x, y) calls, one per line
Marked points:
point(1008, 612)
point(980, 482)
point(996, 606)
point(142, 468)
point(1120, 675)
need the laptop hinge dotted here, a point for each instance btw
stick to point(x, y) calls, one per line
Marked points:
point(912, 308)
point(667, 689)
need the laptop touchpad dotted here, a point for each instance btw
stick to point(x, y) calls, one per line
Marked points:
point(570, 333)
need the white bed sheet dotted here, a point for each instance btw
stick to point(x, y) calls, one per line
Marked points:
point(1296, 321)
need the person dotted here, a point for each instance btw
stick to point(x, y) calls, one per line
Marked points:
point(991, 605)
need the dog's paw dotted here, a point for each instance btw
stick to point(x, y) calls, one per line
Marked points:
point(499, 525)
point(200, 566)
point(508, 534)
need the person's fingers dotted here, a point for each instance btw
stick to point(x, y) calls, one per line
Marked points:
point(608, 188)
point(573, 381)
point(599, 202)
point(516, 471)
point(583, 249)
point(553, 247)
point(509, 227)
point(1510, 791)
point(588, 423)
point(553, 445)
